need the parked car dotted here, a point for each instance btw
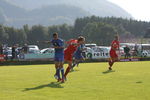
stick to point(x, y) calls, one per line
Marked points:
point(7, 52)
point(33, 49)
point(47, 50)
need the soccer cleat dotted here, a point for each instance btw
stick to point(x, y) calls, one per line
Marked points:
point(59, 80)
point(110, 68)
point(62, 81)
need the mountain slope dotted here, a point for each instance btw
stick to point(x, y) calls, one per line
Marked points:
point(11, 10)
point(48, 15)
point(53, 12)
point(95, 7)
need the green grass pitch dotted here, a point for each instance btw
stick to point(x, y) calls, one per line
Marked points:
point(91, 81)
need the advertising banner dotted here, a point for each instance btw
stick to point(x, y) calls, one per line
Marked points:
point(38, 56)
point(2, 57)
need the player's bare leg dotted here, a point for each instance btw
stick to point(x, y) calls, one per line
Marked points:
point(68, 68)
point(111, 62)
point(75, 63)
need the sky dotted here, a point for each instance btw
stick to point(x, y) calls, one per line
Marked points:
point(139, 9)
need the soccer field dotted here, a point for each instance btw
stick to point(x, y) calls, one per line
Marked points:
point(91, 81)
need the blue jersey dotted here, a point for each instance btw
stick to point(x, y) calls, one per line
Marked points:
point(59, 52)
point(78, 53)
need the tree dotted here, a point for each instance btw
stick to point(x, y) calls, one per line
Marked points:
point(99, 33)
point(147, 34)
point(65, 31)
point(3, 35)
point(37, 33)
point(21, 36)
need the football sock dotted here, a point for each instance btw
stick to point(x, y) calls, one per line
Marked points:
point(78, 63)
point(62, 72)
point(58, 72)
point(67, 70)
point(110, 63)
point(73, 65)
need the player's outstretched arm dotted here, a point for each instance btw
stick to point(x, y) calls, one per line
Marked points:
point(46, 42)
point(72, 42)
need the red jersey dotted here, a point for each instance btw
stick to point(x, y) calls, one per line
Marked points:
point(115, 45)
point(71, 47)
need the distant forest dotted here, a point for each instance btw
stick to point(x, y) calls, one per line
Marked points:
point(95, 29)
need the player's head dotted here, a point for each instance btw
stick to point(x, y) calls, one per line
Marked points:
point(81, 40)
point(25, 44)
point(116, 37)
point(55, 35)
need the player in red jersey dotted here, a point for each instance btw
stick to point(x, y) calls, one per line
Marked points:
point(113, 55)
point(69, 52)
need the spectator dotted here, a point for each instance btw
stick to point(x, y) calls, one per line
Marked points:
point(16, 50)
point(127, 52)
point(5, 52)
point(1, 49)
point(135, 51)
point(25, 48)
point(13, 52)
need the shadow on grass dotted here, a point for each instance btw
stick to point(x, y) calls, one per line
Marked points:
point(108, 71)
point(52, 85)
point(139, 82)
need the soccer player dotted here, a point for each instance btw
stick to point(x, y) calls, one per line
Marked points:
point(78, 53)
point(69, 51)
point(58, 44)
point(113, 54)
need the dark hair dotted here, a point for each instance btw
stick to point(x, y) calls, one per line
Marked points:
point(55, 34)
point(81, 38)
point(116, 36)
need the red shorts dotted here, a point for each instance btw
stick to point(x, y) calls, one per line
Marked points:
point(113, 54)
point(68, 57)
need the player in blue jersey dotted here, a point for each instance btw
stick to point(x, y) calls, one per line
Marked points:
point(58, 44)
point(78, 55)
